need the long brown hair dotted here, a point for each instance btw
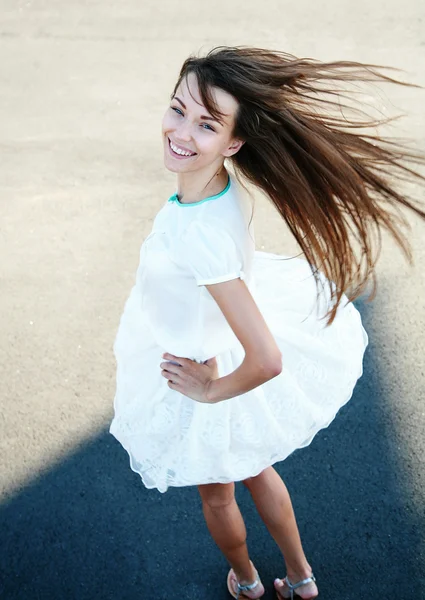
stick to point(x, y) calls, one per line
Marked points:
point(328, 178)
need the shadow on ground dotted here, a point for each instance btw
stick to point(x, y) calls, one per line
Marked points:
point(88, 529)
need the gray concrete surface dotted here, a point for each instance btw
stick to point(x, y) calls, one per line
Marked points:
point(83, 88)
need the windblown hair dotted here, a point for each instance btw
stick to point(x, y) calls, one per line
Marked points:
point(328, 176)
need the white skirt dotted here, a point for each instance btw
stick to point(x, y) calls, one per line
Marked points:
point(173, 440)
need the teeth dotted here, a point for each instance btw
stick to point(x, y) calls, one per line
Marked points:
point(178, 151)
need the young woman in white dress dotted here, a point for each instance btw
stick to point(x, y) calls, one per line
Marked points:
point(222, 368)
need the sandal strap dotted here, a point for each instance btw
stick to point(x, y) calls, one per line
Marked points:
point(247, 587)
point(294, 586)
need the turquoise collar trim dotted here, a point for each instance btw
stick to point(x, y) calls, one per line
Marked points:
point(175, 199)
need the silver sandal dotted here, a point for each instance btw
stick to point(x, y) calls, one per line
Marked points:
point(294, 586)
point(247, 588)
point(242, 588)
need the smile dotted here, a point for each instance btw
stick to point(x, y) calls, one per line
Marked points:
point(179, 152)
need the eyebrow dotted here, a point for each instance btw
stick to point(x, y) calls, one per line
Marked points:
point(202, 116)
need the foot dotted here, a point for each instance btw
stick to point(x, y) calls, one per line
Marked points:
point(254, 593)
point(308, 591)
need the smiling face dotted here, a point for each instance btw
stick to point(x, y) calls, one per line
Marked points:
point(193, 139)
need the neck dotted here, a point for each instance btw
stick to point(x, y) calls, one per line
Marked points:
point(198, 185)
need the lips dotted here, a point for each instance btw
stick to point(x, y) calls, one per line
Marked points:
point(179, 156)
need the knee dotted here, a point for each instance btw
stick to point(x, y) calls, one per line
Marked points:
point(217, 495)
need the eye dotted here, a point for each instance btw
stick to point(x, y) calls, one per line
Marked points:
point(209, 126)
point(178, 111)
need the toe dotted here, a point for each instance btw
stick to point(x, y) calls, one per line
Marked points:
point(279, 586)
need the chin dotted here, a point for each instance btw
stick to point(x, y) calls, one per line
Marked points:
point(172, 167)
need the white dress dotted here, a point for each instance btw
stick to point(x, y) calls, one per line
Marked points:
point(173, 440)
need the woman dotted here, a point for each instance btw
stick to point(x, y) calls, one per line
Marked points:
point(229, 359)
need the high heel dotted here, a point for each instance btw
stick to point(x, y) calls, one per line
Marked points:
point(294, 586)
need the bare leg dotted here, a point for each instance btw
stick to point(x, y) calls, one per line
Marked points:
point(274, 505)
point(227, 528)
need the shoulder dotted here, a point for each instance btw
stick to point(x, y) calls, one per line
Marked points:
point(212, 234)
point(229, 215)
point(232, 206)
point(210, 251)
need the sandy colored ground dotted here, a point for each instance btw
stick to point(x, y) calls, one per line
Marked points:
point(83, 88)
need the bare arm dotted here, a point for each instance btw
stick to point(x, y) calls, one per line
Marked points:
point(263, 359)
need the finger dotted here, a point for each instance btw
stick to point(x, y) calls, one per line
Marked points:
point(169, 356)
point(174, 362)
point(170, 375)
point(171, 367)
point(179, 359)
point(174, 386)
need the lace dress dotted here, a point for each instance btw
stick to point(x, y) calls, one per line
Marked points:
point(173, 440)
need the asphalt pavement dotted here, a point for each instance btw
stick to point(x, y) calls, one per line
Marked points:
point(83, 88)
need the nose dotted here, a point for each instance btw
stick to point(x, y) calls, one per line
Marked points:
point(183, 132)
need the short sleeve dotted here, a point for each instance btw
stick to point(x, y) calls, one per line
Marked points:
point(211, 253)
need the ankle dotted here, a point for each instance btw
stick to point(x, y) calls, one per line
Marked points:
point(246, 577)
point(298, 573)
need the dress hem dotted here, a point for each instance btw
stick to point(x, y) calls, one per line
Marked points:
point(256, 471)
